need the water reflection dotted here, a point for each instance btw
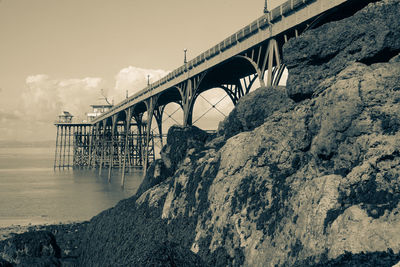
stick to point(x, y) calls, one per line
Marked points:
point(43, 195)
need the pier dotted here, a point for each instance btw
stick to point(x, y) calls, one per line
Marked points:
point(120, 137)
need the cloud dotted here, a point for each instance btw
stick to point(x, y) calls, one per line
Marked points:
point(6, 117)
point(44, 98)
point(133, 79)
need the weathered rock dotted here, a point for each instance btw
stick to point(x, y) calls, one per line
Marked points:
point(370, 36)
point(31, 248)
point(180, 139)
point(253, 108)
point(156, 173)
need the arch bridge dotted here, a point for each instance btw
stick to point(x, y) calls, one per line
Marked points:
point(254, 53)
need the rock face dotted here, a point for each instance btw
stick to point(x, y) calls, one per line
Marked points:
point(311, 183)
point(370, 36)
point(181, 142)
point(180, 139)
point(245, 117)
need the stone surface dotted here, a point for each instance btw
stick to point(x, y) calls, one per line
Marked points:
point(37, 248)
point(253, 108)
point(180, 140)
point(372, 35)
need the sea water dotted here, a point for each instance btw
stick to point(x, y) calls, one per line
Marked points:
point(32, 192)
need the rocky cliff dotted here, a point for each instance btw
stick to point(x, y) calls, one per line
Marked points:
point(308, 177)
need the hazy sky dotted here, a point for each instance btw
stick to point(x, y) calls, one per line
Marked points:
point(58, 54)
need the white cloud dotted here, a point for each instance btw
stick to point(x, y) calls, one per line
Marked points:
point(133, 79)
point(44, 98)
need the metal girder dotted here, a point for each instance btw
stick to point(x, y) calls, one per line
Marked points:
point(240, 88)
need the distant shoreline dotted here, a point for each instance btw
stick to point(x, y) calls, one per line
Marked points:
point(21, 144)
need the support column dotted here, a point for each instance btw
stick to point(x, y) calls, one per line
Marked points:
point(158, 113)
point(128, 113)
point(138, 158)
point(55, 154)
point(65, 144)
point(69, 144)
point(91, 135)
point(113, 128)
point(75, 144)
point(96, 145)
point(189, 93)
point(187, 118)
point(150, 104)
point(103, 143)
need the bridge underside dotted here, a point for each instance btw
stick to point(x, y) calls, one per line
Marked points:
point(88, 146)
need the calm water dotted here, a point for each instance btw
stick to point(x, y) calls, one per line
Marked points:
point(32, 192)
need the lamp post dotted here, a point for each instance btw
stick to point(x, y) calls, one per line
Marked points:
point(148, 79)
point(184, 59)
point(266, 7)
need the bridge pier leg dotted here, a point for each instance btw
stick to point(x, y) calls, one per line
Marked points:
point(127, 131)
point(55, 154)
point(69, 146)
point(138, 154)
point(189, 96)
point(150, 112)
point(91, 140)
point(103, 143)
point(113, 129)
point(158, 113)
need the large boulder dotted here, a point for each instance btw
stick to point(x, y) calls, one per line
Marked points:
point(181, 139)
point(253, 108)
point(155, 174)
point(372, 35)
point(38, 248)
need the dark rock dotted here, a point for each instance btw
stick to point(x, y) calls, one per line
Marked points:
point(38, 248)
point(252, 110)
point(370, 36)
point(348, 259)
point(4, 263)
point(156, 173)
point(216, 143)
point(179, 140)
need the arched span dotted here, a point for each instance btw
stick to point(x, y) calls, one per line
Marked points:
point(210, 107)
point(256, 68)
point(172, 95)
point(239, 88)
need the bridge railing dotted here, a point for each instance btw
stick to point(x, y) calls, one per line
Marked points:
point(262, 22)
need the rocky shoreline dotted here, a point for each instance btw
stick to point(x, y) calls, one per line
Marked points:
point(307, 175)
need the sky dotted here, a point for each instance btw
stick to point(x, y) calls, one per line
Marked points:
point(58, 55)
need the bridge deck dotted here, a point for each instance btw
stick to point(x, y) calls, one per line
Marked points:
point(280, 20)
